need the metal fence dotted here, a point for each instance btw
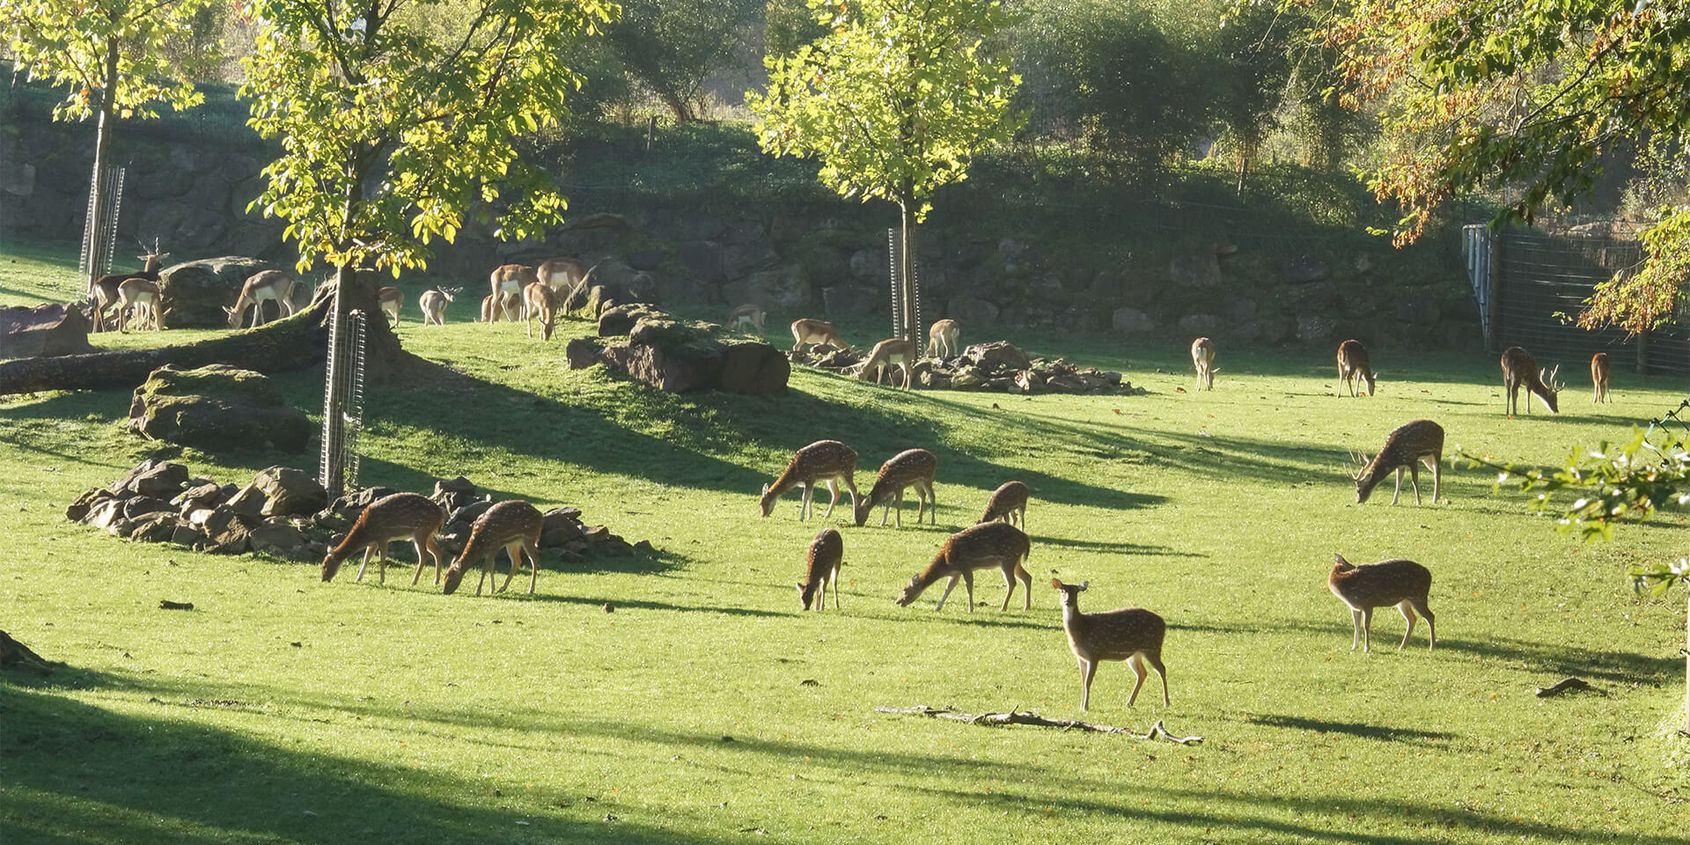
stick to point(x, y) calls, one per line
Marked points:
point(1530, 286)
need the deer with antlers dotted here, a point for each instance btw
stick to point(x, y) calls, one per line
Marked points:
point(1405, 448)
point(1521, 370)
point(259, 288)
point(433, 304)
point(104, 293)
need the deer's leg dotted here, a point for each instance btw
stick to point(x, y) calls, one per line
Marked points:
point(1408, 614)
point(381, 564)
point(1137, 663)
point(1398, 494)
point(804, 503)
point(932, 503)
point(1161, 672)
point(1088, 670)
point(1009, 585)
point(1414, 478)
point(968, 584)
point(948, 588)
point(417, 543)
point(1431, 621)
point(532, 549)
point(434, 551)
point(514, 552)
point(833, 491)
point(1027, 586)
point(486, 569)
point(1367, 630)
point(833, 586)
point(851, 484)
point(1437, 477)
point(367, 551)
point(1355, 628)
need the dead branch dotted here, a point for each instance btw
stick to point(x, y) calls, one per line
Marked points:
point(167, 604)
point(1016, 717)
point(1564, 685)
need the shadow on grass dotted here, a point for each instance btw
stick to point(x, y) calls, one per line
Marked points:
point(1356, 729)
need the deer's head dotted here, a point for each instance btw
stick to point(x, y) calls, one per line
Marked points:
point(766, 502)
point(1341, 565)
point(1372, 381)
point(1366, 477)
point(1552, 388)
point(806, 594)
point(1070, 593)
point(151, 258)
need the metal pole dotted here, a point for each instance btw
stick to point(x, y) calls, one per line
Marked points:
point(330, 469)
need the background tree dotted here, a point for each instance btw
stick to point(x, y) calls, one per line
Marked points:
point(1251, 67)
point(116, 59)
point(671, 46)
point(895, 100)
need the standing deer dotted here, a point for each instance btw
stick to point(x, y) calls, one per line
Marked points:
point(748, 317)
point(1403, 583)
point(263, 286)
point(567, 277)
point(1405, 447)
point(1008, 503)
point(137, 296)
point(909, 468)
point(507, 282)
point(433, 304)
point(390, 299)
point(1203, 358)
point(512, 525)
point(984, 546)
point(1132, 634)
point(104, 292)
point(1354, 367)
point(1520, 370)
point(539, 303)
point(822, 462)
point(821, 571)
point(1599, 377)
point(807, 332)
point(389, 519)
point(894, 352)
point(944, 339)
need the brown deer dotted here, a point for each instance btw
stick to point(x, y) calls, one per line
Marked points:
point(390, 519)
point(826, 462)
point(1403, 583)
point(1520, 370)
point(1008, 503)
point(1132, 634)
point(944, 339)
point(433, 304)
point(807, 332)
point(1203, 358)
point(539, 302)
point(894, 352)
point(1354, 367)
point(567, 277)
point(263, 286)
point(103, 294)
point(506, 283)
point(512, 525)
point(821, 571)
point(909, 468)
point(1599, 377)
point(390, 299)
point(141, 297)
point(984, 546)
point(1405, 447)
point(748, 317)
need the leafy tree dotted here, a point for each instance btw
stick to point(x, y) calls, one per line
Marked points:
point(1250, 69)
point(116, 59)
point(671, 46)
point(788, 25)
point(895, 99)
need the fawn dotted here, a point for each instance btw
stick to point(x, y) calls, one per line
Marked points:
point(539, 303)
point(1599, 377)
point(1403, 583)
point(138, 296)
point(909, 468)
point(1353, 367)
point(824, 461)
point(807, 331)
point(983, 546)
point(1008, 503)
point(511, 525)
point(103, 294)
point(944, 339)
point(893, 352)
point(389, 519)
point(1132, 634)
point(433, 304)
point(1520, 370)
point(821, 572)
point(1405, 447)
point(1203, 358)
point(747, 317)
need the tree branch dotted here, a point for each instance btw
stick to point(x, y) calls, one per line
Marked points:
point(1014, 717)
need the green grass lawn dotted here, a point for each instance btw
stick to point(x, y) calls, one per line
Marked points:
point(283, 709)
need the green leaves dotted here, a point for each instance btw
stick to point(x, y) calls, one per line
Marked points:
point(66, 42)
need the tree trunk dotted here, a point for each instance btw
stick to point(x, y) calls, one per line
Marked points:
point(677, 106)
point(102, 144)
point(906, 269)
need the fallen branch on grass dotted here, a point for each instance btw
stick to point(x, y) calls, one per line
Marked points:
point(1014, 717)
point(1563, 685)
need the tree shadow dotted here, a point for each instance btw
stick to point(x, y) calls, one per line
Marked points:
point(1356, 729)
point(1109, 547)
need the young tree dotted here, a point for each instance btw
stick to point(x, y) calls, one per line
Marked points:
point(116, 59)
point(397, 119)
point(895, 99)
point(671, 46)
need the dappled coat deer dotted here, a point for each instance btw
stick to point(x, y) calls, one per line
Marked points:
point(387, 520)
point(1009, 504)
point(1132, 634)
point(1354, 368)
point(1203, 359)
point(828, 462)
point(989, 545)
point(1405, 448)
point(1520, 370)
point(1599, 377)
point(512, 525)
point(821, 570)
point(909, 468)
point(1402, 583)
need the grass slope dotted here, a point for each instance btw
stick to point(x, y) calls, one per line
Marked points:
point(286, 710)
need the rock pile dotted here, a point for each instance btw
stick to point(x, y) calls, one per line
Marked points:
point(679, 357)
point(999, 367)
point(285, 513)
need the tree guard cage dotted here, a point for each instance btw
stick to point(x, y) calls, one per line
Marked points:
point(99, 228)
point(1530, 287)
point(343, 403)
point(906, 294)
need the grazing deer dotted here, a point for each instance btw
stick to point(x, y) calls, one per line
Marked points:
point(1353, 367)
point(821, 571)
point(1009, 504)
point(909, 468)
point(748, 317)
point(809, 332)
point(944, 339)
point(1599, 377)
point(390, 299)
point(539, 302)
point(433, 304)
point(104, 292)
point(567, 277)
point(824, 461)
point(1132, 634)
point(984, 546)
point(511, 525)
point(1520, 370)
point(139, 297)
point(263, 286)
point(507, 282)
point(1405, 447)
point(1403, 583)
point(1203, 358)
point(893, 352)
point(390, 519)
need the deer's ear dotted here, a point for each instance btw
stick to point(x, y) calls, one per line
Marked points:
point(1338, 558)
point(1055, 584)
point(1085, 585)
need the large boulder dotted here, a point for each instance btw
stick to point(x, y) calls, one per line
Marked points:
point(289, 492)
point(217, 408)
point(973, 311)
point(195, 292)
point(684, 369)
point(997, 354)
point(42, 331)
point(754, 367)
point(618, 321)
point(1195, 269)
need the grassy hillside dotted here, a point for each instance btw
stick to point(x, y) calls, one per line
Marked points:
point(283, 709)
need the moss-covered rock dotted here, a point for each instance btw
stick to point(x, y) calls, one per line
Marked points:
point(217, 408)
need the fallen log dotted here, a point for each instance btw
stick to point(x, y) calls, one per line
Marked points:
point(1015, 717)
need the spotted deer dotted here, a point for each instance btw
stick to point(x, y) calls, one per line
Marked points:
point(539, 303)
point(894, 352)
point(1009, 504)
point(1405, 448)
point(909, 468)
point(748, 317)
point(259, 288)
point(433, 304)
point(506, 284)
point(512, 525)
point(944, 339)
point(821, 571)
point(1354, 368)
point(1403, 583)
point(387, 520)
point(103, 294)
point(1132, 634)
point(809, 332)
point(828, 462)
point(1599, 377)
point(1520, 370)
point(1203, 359)
point(988, 545)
